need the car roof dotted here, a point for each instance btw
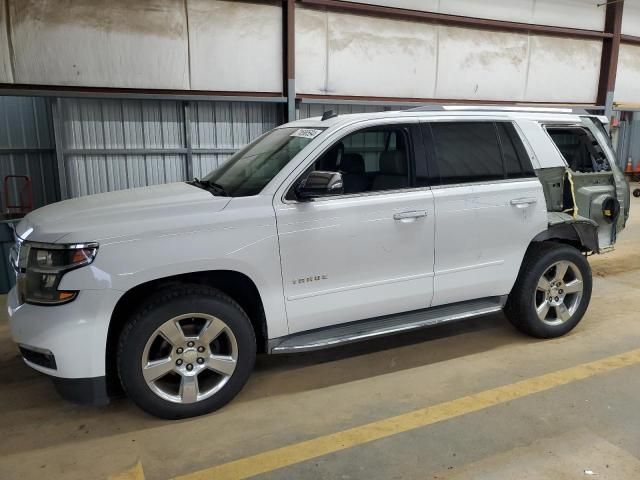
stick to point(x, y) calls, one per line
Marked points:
point(542, 114)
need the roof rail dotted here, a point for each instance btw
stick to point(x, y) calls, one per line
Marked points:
point(493, 108)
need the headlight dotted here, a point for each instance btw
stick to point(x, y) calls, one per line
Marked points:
point(40, 268)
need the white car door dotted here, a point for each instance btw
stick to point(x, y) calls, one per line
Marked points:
point(368, 252)
point(489, 205)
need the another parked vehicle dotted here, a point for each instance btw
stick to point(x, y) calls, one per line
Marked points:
point(321, 232)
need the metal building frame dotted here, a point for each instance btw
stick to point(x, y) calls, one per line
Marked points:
point(290, 101)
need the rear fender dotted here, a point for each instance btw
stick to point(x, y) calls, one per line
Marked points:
point(580, 230)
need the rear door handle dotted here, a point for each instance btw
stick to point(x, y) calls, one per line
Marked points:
point(409, 215)
point(523, 202)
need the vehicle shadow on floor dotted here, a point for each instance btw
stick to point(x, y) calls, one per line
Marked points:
point(29, 403)
point(293, 373)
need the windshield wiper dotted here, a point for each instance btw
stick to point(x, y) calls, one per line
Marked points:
point(212, 187)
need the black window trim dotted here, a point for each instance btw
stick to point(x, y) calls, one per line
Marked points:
point(519, 148)
point(432, 165)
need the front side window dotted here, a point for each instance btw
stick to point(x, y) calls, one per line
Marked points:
point(248, 171)
point(370, 160)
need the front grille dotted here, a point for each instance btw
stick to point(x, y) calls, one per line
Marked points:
point(43, 358)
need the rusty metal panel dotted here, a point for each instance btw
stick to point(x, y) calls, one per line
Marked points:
point(563, 69)
point(631, 19)
point(481, 64)
point(118, 43)
point(628, 77)
point(6, 70)
point(235, 46)
point(563, 13)
point(371, 56)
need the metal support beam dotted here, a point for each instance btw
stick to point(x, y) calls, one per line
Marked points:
point(187, 140)
point(137, 94)
point(609, 59)
point(143, 151)
point(59, 141)
point(289, 57)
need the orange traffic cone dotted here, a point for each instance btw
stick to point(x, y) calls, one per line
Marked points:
point(629, 167)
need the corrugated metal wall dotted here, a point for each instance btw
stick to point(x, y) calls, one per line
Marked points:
point(27, 148)
point(116, 144)
point(628, 144)
point(634, 139)
point(220, 128)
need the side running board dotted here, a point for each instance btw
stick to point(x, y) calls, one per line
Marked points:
point(381, 326)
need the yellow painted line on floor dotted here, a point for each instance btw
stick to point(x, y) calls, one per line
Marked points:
point(335, 442)
point(134, 473)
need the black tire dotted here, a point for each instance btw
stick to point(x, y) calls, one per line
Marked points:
point(636, 192)
point(153, 313)
point(521, 304)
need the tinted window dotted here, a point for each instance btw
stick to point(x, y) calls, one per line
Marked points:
point(248, 171)
point(467, 152)
point(516, 159)
point(370, 160)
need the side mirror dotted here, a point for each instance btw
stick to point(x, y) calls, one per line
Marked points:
point(320, 184)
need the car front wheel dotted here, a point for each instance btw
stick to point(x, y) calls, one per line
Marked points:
point(188, 351)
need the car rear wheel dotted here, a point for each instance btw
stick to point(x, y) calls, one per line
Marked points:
point(552, 291)
point(188, 351)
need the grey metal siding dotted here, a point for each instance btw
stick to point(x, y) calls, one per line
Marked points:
point(27, 147)
point(114, 144)
point(220, 128)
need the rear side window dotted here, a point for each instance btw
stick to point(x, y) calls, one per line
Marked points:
point(516, 160)
point(580, 149)
point(478, 152)
point(467, 152)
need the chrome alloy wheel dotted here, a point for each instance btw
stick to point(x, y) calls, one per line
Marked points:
point(558, 293)
point(189, 358)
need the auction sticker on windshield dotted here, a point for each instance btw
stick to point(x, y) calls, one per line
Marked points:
point(306, 133)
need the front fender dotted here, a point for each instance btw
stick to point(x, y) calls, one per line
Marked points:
point(251, 250)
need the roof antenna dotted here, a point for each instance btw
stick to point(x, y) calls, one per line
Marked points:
point(328, 114)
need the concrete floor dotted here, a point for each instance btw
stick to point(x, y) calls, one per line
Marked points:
point(590, 425)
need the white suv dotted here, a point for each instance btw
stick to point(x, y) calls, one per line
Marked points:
point(321, 232)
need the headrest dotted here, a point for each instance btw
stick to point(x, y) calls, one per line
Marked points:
point(352, 163)
point(393, 163)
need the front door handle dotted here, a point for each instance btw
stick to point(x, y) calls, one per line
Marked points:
point(410, 215)
point(523, 202)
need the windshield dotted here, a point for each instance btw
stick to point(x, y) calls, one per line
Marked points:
point(248, 171)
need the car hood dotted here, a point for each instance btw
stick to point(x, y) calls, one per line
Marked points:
point(117, 215)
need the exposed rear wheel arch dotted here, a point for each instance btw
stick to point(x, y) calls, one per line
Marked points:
point(582, 235)
point(234, 284)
